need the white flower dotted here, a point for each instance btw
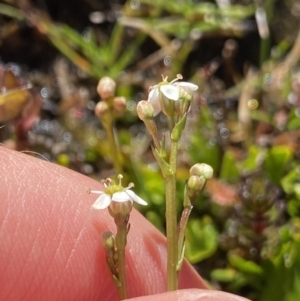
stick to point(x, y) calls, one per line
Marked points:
point(115, 193)
point(170, 91)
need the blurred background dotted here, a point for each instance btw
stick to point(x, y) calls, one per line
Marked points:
point(244, 232)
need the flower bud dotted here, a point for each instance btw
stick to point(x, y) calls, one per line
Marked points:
point(195, 186)
point(119, 104)
point(101, 109)
point(145, 110)
point(196, 182)
point(106, 87)
point(202, 169)
point(108, 240)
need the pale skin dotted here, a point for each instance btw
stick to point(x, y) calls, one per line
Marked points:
point(50, 247)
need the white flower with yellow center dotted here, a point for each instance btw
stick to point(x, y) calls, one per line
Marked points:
point(115, 193)
point(171, 90)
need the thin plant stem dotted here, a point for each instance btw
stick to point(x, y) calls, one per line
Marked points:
point(121, 244)
point(113, 147)
point(171, 217)
point(265, 44)
point(11, 11)
point(56, 36)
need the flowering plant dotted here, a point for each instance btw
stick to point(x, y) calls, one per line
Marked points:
point(118, 200)
point(173, 100)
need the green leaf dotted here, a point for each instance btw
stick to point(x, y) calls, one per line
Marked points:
point(11, 11)
point(178, 128)
point(238, 11)
point(289, 180)
point(127, 56)
point(164, 166)
point(294, 120)
point(250, 163)
point(224, 275)
point(201, 239)
point(243, 265)
point(276, 161)
point(282, 281)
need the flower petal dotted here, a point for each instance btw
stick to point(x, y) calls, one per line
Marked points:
point(187, 86)
point(153, 94)
point(135, 197)
point(102, 202)
point(171, 92)
point(153, 98)
point(120, 197)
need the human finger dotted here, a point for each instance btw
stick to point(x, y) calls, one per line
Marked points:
point(191, 295)
point(49, 238)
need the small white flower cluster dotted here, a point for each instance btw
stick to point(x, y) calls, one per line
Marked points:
point(171, 90)
point(115, 193)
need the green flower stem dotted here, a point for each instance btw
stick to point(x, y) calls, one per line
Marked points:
point(265, 44)
point(113, 148)
point(171, 217)
point(121, 240)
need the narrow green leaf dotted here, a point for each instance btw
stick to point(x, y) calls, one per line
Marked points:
point(164, 166)
point(178, 128)
point(243, 265)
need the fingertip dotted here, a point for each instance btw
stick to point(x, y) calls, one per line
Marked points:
point(50, 238)
point(191, 295)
